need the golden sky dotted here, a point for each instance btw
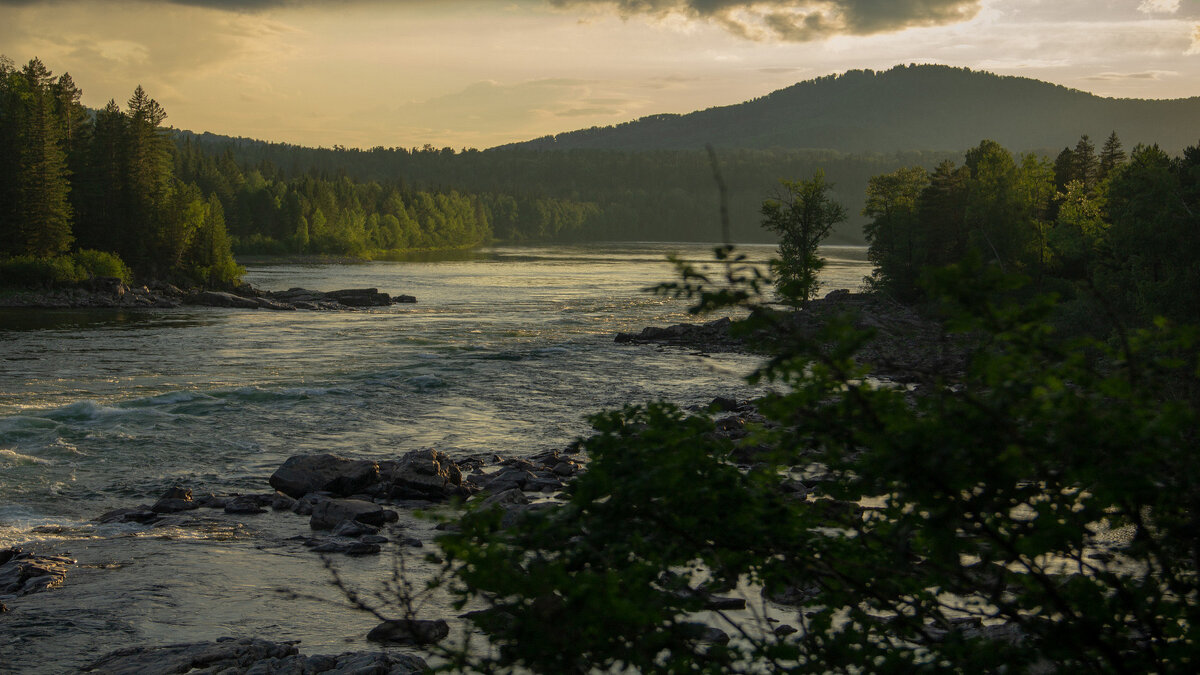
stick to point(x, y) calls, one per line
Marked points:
point(470, 73)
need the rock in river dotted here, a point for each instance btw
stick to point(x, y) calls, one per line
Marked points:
point(22, 573)
point(241, 656)
point(343, 477)
point(329, 513)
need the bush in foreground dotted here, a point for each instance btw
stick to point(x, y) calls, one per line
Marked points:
point(1041, 511)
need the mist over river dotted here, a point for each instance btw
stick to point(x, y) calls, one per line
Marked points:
point(507, 351)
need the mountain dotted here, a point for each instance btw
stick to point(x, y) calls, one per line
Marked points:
point(915, 107)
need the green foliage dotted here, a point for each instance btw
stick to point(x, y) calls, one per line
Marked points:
point(95, 264)
point(103, 184)
point(803, 217)
point(1105, 233)
point(1037, 513)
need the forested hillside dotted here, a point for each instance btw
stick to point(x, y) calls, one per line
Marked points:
point(666, 195)
point(110, 193)
point(917, 107)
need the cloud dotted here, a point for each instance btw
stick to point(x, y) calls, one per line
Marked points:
point(799, 20)
point(1159, 6)
point(1195, 48)
point(1140, 75)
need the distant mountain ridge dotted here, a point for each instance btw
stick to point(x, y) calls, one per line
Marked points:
point(915, 107)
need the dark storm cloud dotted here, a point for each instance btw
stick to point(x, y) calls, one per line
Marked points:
point(788, 20)
point(801, 20)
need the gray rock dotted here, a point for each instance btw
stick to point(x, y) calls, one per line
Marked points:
point(422, 474)
point(24, 573)
point(352, 528)
point(328, 514)
point(245, 504)
point(302, 474)
point(360, 297)
point(175, 500)
point(267, 303)
point(507, 479)
point(282, 502)
point(225, 655)
point(351, 663)
point(410, 631)
point(139, 514)
point(223, 299)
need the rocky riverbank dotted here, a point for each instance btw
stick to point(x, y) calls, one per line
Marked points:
point(905, 346)
point(113, 293)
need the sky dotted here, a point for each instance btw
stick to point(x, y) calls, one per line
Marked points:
point(470, 73)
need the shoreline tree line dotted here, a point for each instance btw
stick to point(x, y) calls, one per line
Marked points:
point(112, 193)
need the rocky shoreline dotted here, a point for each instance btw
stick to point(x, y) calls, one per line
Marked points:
point(113, 293)
point(906, 347)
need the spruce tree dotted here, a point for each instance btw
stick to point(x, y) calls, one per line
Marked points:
point(1112, 155)
point(45, 213)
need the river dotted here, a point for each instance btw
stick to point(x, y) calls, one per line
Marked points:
point(507, 351)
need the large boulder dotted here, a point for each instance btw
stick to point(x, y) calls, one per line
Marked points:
point(303, 474)
point(329, 513)
point(422, 474)
point(360, 297)
point(410, 631)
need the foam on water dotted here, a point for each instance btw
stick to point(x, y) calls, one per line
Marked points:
point(10, 458)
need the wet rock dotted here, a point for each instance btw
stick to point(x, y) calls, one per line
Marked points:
point(410, 631)
point(784, 630)
point(329, 513)
point(175, 500)
point(267, 303)
point(506, 499)
point(282, 502)
point(354, 548)
point(352, 528)
point(225, 655)
point(244, 505)
point(723, 404)
point(23, 573)
point(360, 297)
point(422, 474)
point(507, 479)
point(403, 299)
point(710, 336)
point(222, 299)
point(351, 663)
point(303, 474)
point(138, 514)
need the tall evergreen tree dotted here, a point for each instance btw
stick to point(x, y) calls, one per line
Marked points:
point(45, 228)
point(1085, 165)
point(149, 169)
point(1112, 155)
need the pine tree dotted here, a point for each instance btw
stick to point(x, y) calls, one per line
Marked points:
point(1085, 166)
point(1111, 156)
point(45, 213)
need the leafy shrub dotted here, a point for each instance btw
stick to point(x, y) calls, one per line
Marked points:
point(1039, 512)
point(30, 272)
point(94, 264)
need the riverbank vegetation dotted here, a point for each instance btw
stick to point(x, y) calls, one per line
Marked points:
point(89, 193)
point(1035, 512)
point(1113, 235)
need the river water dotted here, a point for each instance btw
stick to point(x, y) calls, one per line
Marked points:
point(507, 351)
